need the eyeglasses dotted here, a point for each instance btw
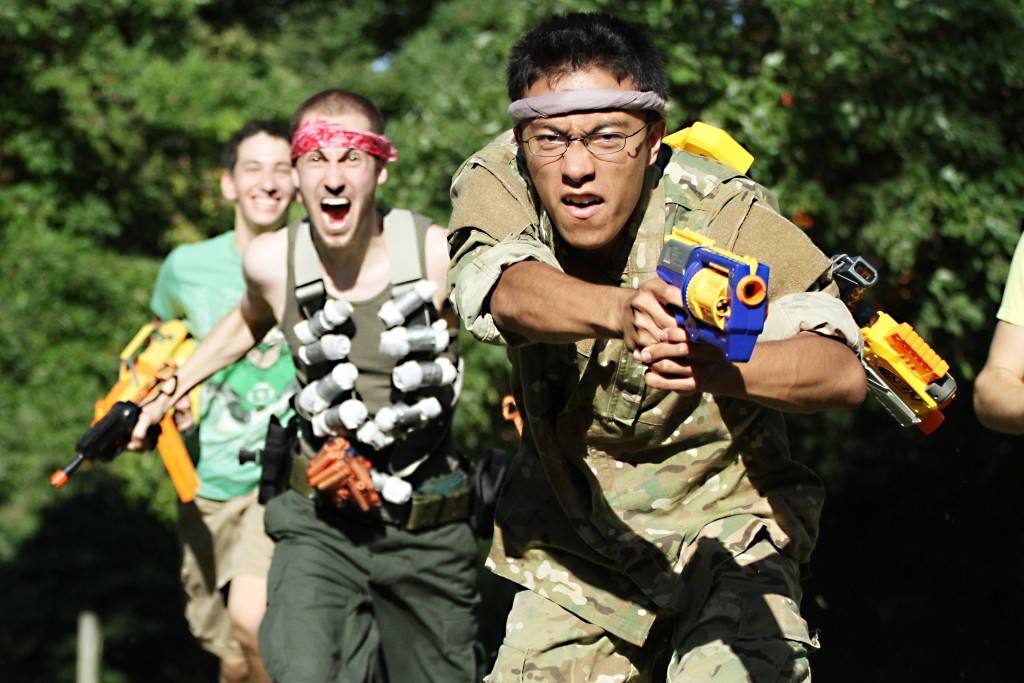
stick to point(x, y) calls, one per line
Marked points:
point(597, 143)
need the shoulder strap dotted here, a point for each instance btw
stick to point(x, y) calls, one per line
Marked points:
point(403, 248)
point(404, 232)
point(745, 224)
point(308, 271)
point(739, 219)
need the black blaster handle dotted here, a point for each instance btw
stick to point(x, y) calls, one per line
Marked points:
point(106, 439)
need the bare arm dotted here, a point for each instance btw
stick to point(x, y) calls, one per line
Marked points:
point(807, 373)
point(541, 304)
point(804, 373)
point(999, 389)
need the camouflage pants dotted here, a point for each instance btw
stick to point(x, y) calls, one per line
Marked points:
point(749, 629)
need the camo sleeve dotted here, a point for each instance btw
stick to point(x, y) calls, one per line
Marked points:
point(820, 312)
point(494, 224)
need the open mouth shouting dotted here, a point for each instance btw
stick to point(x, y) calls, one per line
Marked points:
point(335, 209)
point(582, 206)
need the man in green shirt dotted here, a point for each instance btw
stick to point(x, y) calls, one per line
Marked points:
point(224, 545)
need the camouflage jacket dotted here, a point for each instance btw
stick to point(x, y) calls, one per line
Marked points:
point(615, 483)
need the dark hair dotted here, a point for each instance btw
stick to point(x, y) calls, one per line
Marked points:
point(275, 129)
point(579, 41)
point(335, 102)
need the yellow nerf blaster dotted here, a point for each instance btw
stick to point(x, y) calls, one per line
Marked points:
point(907, 377)
point(152, 356)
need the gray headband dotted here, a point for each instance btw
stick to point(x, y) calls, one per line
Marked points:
point(597, 99)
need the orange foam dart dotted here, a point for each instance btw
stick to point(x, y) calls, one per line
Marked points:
point(915, 352)
point(58, 479)
point(316, 471)
point(361, 484)
point(510, 411)
point(176, 460)
point(327, 474)
point(344, 475)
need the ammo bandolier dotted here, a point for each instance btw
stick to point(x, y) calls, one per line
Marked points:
point(424, 454)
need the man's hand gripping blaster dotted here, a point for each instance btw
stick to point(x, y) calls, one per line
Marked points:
point(725, 296)
point(904, 373)
point(167, 345)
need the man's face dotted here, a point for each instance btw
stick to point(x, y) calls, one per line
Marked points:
point(338, 186)
point(588, 197)
point(261, 182)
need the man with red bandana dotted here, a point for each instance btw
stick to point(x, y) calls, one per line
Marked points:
point(374, 565)
point(225, 550)
point(652, 514)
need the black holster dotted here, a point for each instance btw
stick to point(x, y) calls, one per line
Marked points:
point(489, 474)
point(276, 458)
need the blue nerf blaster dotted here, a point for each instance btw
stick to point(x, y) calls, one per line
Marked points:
point(725, 296)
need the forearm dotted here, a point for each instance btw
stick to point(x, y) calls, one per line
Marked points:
point(541, 304)
point(999, 389)
point(228, 341)
point(804, 374)
point(999, 400)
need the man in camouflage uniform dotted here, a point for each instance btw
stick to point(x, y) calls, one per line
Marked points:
point(653, 512)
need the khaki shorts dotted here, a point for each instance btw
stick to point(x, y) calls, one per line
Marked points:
point(219, 540)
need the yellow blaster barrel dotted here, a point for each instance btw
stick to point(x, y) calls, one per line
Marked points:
point(911, 369)
point(906, 376)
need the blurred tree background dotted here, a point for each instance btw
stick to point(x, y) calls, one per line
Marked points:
point(888, 128)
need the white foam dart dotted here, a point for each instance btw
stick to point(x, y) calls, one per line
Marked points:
point(334, 313)
point(349, 414)
point(414, 374)
point(401, 341)
point(327, 348)
point(370, 434)
point(318, 395)
point(401, 416)
point(392, 489)
point(395, 311)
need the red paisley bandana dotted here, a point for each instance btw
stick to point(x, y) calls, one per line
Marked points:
point(314, 135)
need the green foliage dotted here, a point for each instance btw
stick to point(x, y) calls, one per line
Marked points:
point(479, 424)
point(890, 128)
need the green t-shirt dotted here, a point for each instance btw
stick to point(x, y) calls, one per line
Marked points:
point(200, 283)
